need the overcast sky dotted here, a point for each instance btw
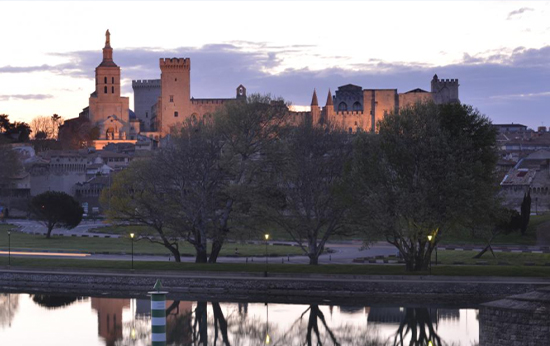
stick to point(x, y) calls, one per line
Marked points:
point(499, 50)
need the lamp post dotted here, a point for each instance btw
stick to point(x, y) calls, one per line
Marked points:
point(132, 240)
point(9, 249)
point(267, 337)
point(430, 237)
point(266, 238)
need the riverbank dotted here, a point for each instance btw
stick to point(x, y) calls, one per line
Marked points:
point(284, 288)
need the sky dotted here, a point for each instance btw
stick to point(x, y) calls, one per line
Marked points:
point(499, 50)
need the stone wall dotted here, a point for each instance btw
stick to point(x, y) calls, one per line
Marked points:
point(519, 320)
point(403, 290)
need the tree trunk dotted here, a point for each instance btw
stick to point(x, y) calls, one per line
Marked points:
point(216, 248)
point(200, 256)
point(175, 252)
point(313, 259)
point(49, 232)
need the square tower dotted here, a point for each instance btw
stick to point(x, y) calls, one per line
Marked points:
point(175, 100)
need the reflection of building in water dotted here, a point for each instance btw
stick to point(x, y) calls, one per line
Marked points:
point(351, 309)
point(386, 315)
point(109, 318)
point(448, 314)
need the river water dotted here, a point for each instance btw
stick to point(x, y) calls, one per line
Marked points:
point(42, 320)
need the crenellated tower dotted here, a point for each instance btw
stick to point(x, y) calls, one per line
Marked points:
point(174, 104)
point(444, 90)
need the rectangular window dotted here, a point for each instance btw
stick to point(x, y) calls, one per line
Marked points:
point(112, 90)
point(105, 89)
point(171, 98)
point(176, 114)
point(113, 80)
point(146, 115)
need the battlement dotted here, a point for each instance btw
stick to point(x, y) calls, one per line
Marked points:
point(445, 81)
point(448, 81)
point(208, 101)
point(175, 63)
point(350, 113)
point(146, 83)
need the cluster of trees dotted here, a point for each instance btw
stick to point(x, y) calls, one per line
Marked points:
point(427, 172)
point(44, 127)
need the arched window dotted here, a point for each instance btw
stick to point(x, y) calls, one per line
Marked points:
point(357, 106)
point(342, 106)
point(105, 90)
point(105, 80)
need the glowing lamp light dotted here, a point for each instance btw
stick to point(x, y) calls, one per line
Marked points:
point(266, 236)
point(132, 235)
point(430, 343)
point(267, 339)
point(133, 334)
point(430, 237)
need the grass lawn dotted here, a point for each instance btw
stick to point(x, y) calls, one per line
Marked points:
point(22, 241)
point(511, 271)
point(449, 257)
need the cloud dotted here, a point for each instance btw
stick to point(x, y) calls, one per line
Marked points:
point(508, 85)
point(515, 13)
point(25, 97)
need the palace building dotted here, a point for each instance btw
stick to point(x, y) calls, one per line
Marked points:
point(160, 104)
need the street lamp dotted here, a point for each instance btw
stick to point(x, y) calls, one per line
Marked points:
point(132, 240)
point(9, 249)
point(430, 237)
point(266, 238)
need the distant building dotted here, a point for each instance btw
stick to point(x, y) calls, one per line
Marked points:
point(505, 128)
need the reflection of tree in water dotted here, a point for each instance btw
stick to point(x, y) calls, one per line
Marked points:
point(200, 325)
point(54, 302)
point(8, 307)
point(318, 332)
point(417, 322)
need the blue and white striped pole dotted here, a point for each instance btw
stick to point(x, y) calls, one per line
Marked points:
point(158, 315)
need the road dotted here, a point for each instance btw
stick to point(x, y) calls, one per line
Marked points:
point(343, 252)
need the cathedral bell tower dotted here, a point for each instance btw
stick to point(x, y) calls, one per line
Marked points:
point(107, 74)
point(108, 111)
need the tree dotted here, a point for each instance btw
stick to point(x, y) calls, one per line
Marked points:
point(136, 196)
point(16, 132)
point(45, 127)
point(56, 209)
point(428, 171)
point(10, 167)
point(303, 192)
point(77, 133)
point(501, 221)
point(525, 212)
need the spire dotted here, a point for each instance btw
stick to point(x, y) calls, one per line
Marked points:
point(329, 98)
point(108, 52)
point(435, 77)
point(107, 39)
point(314, 99)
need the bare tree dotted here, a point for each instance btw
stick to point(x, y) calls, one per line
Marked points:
point(44, 127)
point(306, 197)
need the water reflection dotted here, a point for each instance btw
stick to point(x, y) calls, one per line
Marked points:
point(119, 322)
point(53, 301)
point(8, 307)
